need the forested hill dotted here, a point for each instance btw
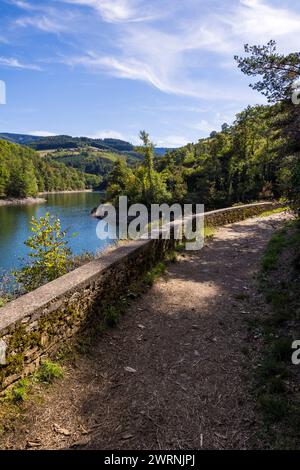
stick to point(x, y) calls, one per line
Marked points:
point(24, 173)
point(67, 142)
point(254, 158)
point(22, 139)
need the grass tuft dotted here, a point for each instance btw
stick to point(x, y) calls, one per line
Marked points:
point(154, 274)
point(48, 372)
point(19, 392)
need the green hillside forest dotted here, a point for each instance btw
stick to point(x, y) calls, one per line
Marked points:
point(257, 157)
point(24, 173)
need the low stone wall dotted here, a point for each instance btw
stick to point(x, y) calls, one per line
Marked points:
point(38, 323)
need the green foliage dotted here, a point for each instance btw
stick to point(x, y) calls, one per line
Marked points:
point(274, 248)
point(19, 392)
point(255, 158)
point(24, 173)
point(112, 316)
point(68, 142)
point(154, 274)
point(94, 163)
point(278, 210)
point(277, 378)
point(278, 71)
point(49, 253)
point(209, 232)
point(277, 74)
point(49, 371)
point(142, 184)
point(244, 162)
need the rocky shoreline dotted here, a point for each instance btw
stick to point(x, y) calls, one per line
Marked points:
point(17, 202)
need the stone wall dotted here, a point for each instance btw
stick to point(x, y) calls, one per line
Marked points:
point(38, 323)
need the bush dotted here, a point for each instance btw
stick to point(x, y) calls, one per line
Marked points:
point(49, 253)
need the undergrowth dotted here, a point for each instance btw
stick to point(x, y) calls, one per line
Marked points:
point(278, 210)
point(277, 379)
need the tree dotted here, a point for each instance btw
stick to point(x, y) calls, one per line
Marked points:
point(147, 150)
point(118, 181)
point(278, 71)
point(49, 253)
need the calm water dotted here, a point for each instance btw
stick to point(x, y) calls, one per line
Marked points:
point(74, 211)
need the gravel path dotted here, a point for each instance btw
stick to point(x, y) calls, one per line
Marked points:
point(188, 382)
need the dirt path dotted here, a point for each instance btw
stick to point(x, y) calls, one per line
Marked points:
point(184, 338)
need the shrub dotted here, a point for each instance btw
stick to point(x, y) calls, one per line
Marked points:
point(49, 253)
point(19, 392)
point(156, 272)
point(49, 371)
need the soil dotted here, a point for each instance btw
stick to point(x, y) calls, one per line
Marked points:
point(173, 374)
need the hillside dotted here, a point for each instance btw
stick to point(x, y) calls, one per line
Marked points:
point(22, 139)
point(91, 160)
point(162, 150)
point(66, 141)
point(252, 159)
point(24, 173)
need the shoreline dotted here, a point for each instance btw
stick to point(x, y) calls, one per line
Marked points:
point(14, 201)
point(20, 202)
point(45, 193)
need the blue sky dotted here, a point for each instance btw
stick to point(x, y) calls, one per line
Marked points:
point(108, 68)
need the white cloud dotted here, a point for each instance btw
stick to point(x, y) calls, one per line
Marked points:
point(41, 133)
point(172, 59)
point(44, 23)
point(214, 120)
point(15, 63)
point(117, 11)
point(261, 19)
point(205, 126)
point(107, 134)
point(22, 4)
point(172, 141)
point(182, 56)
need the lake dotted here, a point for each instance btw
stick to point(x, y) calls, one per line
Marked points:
point(73, 209)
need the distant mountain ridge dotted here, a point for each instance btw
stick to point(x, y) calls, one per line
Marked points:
point(68, 142)
point(22, 139)
point(162, 150)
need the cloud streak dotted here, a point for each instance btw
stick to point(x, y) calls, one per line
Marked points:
point(41, 133)
point(182, 56)
point(118, 11)
point(16, 64)
point(170, 58)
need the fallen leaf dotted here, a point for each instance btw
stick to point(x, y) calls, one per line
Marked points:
point(127, 435)
point(33, 444)
point(61, 430)
point(130, 369)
